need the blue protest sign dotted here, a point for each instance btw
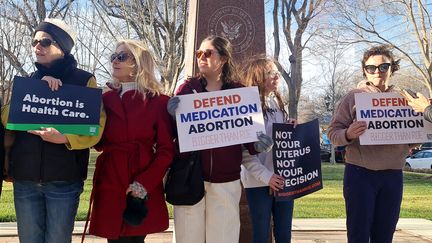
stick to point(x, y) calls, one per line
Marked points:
point(71, 109)
point(296, 157)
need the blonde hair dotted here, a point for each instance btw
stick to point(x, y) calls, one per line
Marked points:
point(254, 74)
point(144, 68)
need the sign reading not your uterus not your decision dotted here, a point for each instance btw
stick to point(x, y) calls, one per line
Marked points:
point(218, 119)
point(296, 157)
point(390, 120)
point(71, 109)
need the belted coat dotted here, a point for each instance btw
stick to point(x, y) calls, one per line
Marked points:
point(137, 145)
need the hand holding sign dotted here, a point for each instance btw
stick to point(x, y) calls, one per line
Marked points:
point(276, 182)
point(51, 135)
point(53, 83)
point(418, 103)
point(172, 105)
point(292, 122)
point(356, 129)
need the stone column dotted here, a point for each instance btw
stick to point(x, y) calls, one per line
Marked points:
point(240, 21)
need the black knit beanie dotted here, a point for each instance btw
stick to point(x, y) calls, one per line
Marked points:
point(59, 34)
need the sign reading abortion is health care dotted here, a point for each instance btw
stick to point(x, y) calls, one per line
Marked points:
point(296, 157)
point(218, 119)
point(390, 120)
point(71, 109)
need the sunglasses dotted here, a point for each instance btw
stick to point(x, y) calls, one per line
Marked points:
point(45, 42)
point(272, 74)
point(121, 57)
point(207, 53)
point(382, 68)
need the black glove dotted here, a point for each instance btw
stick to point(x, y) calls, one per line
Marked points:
point(135, 211)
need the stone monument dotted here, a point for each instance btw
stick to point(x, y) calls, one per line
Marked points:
point(241, 22)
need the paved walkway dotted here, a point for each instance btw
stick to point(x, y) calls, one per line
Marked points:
point(304, 231)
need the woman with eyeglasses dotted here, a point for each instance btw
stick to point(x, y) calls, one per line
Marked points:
point(48, 168)
point(216, 218)
point(373, 173)
point(257, 174)
point(137, 148)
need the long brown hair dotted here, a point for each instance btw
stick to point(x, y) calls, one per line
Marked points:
point(224, 47)
point(254, 74)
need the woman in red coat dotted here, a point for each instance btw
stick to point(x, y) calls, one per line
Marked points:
point(137, 149)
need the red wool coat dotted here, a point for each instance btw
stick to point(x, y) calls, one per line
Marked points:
point(137, 145)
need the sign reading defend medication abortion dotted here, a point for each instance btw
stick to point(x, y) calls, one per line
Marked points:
point(218, 119)
point(71, 109)
point(296, 157)
point(390, 120)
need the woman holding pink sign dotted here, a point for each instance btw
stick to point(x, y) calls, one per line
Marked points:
point(216, 217)
point(373, 173)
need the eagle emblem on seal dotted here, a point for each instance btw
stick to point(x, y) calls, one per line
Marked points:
point(231, 31)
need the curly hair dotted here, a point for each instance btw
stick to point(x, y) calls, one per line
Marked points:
point(383, 50)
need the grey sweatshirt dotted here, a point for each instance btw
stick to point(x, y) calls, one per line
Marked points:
point(372, 157)
point(428, 113)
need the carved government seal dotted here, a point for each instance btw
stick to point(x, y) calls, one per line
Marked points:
point(234, 24)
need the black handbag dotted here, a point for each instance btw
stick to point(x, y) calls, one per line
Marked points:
point(185, 184)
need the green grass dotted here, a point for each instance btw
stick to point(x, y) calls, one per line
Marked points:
point(329, 202)
point(326, 203)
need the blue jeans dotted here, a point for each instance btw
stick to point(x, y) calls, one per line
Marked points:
point(262, 206)
point(46, 211)
point(372, 202)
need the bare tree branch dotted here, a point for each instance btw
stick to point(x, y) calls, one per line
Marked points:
point(367, 31)
point(160, 25)
point(302, 12)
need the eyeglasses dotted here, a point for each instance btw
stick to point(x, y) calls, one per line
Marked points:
point(122, 56)
point(272, 74)
point(207, 53)
point(382, 68)
point(45, 42)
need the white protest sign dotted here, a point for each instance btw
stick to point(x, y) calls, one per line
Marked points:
point(218, 119)
point(390, 120)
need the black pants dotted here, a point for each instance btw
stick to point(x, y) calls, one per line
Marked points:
point(372, 201)
point(129, 239)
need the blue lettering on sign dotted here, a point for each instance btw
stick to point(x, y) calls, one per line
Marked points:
point(218, 113)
